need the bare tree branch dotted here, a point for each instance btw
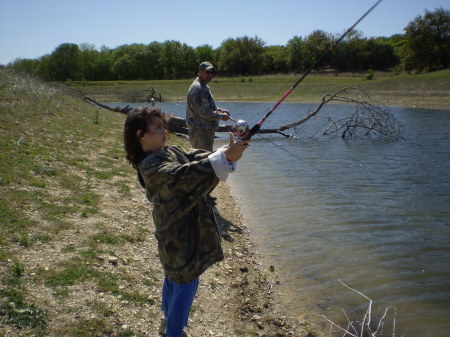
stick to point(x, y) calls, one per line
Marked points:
point(365, 324)
point(370, 119)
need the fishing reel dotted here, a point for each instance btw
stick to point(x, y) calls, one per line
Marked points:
point(240, 128)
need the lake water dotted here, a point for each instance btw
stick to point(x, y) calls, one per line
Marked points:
point(373, 214)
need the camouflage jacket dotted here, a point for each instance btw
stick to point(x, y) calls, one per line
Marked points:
point(177, 184)
point(201, 110)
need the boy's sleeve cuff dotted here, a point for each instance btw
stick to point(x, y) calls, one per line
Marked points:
point(221, 165)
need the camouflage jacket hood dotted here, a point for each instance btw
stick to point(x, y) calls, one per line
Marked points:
point(177, 183)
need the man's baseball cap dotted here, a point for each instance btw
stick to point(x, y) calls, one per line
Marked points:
point(206, 66)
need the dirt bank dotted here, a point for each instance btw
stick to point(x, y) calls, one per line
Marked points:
point(235, 297)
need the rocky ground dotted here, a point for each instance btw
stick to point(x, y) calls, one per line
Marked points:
point(235, 297)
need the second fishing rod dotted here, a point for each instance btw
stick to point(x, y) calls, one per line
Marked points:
point(241, 128)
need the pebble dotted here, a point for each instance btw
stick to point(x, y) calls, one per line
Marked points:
point(113, 260)
point(256, 318)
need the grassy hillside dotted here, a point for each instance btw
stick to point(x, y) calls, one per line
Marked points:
point(67, 213)
point(430, 90)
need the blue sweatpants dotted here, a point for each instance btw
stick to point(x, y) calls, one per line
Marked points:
point(176, 303)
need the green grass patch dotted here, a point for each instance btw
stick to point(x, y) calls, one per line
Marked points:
point(123, 188)
point(105, 237)
point(151, 279)
point(15, 311)
point(81, 269)
point(46, 171)
point(109, 284)
point(90, 254)
point(69, 272)
point(95, 327)
point(133, 238)
point(18, 269)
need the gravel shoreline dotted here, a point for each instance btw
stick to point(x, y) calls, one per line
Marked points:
point(235, 297)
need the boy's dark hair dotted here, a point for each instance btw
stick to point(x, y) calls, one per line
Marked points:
point(138, 120)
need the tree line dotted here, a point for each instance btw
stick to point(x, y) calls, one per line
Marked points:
point(425, 46)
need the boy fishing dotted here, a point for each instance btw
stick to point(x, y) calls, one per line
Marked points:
point(177, 183)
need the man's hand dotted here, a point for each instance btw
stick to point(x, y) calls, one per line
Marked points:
point(235, 148)
point(225, 114)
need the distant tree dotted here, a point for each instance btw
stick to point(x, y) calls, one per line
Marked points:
point(396, 41)
point(381, 55)
point(188, 62)
point(357, 53)
point(241, 56)
point(104, 65)
point(426, 45)
point(44, 68)
point(205, 53)
point(170, 55)
point(151, 58)
point(295, 54)
point(28, 66)
point(345, 54)
point(89, 57)
point(314, 46)
point(129, 62)
point(65, 63)
point(428, 41)
point(275, 60)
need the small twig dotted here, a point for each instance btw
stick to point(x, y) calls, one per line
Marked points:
point(366, 319)
point(360, 293)
point(349, 321)
point(21, 139)
point(337, 326)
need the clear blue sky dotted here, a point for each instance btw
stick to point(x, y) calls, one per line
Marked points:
point(33, 28)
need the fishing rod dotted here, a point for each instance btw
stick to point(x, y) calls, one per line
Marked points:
point(242, 129)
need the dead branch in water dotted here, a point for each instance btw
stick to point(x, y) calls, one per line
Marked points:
point(369, 119)
point(366, 325)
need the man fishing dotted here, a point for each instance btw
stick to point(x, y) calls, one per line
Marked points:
point(202, 114)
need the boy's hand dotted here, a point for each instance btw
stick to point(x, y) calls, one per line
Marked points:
point(235, 148)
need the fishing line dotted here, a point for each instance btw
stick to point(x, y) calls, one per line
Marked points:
point(238, 131)
point(257, 126)
point(292, 154)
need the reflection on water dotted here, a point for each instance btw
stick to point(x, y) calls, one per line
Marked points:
point(375, 215)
